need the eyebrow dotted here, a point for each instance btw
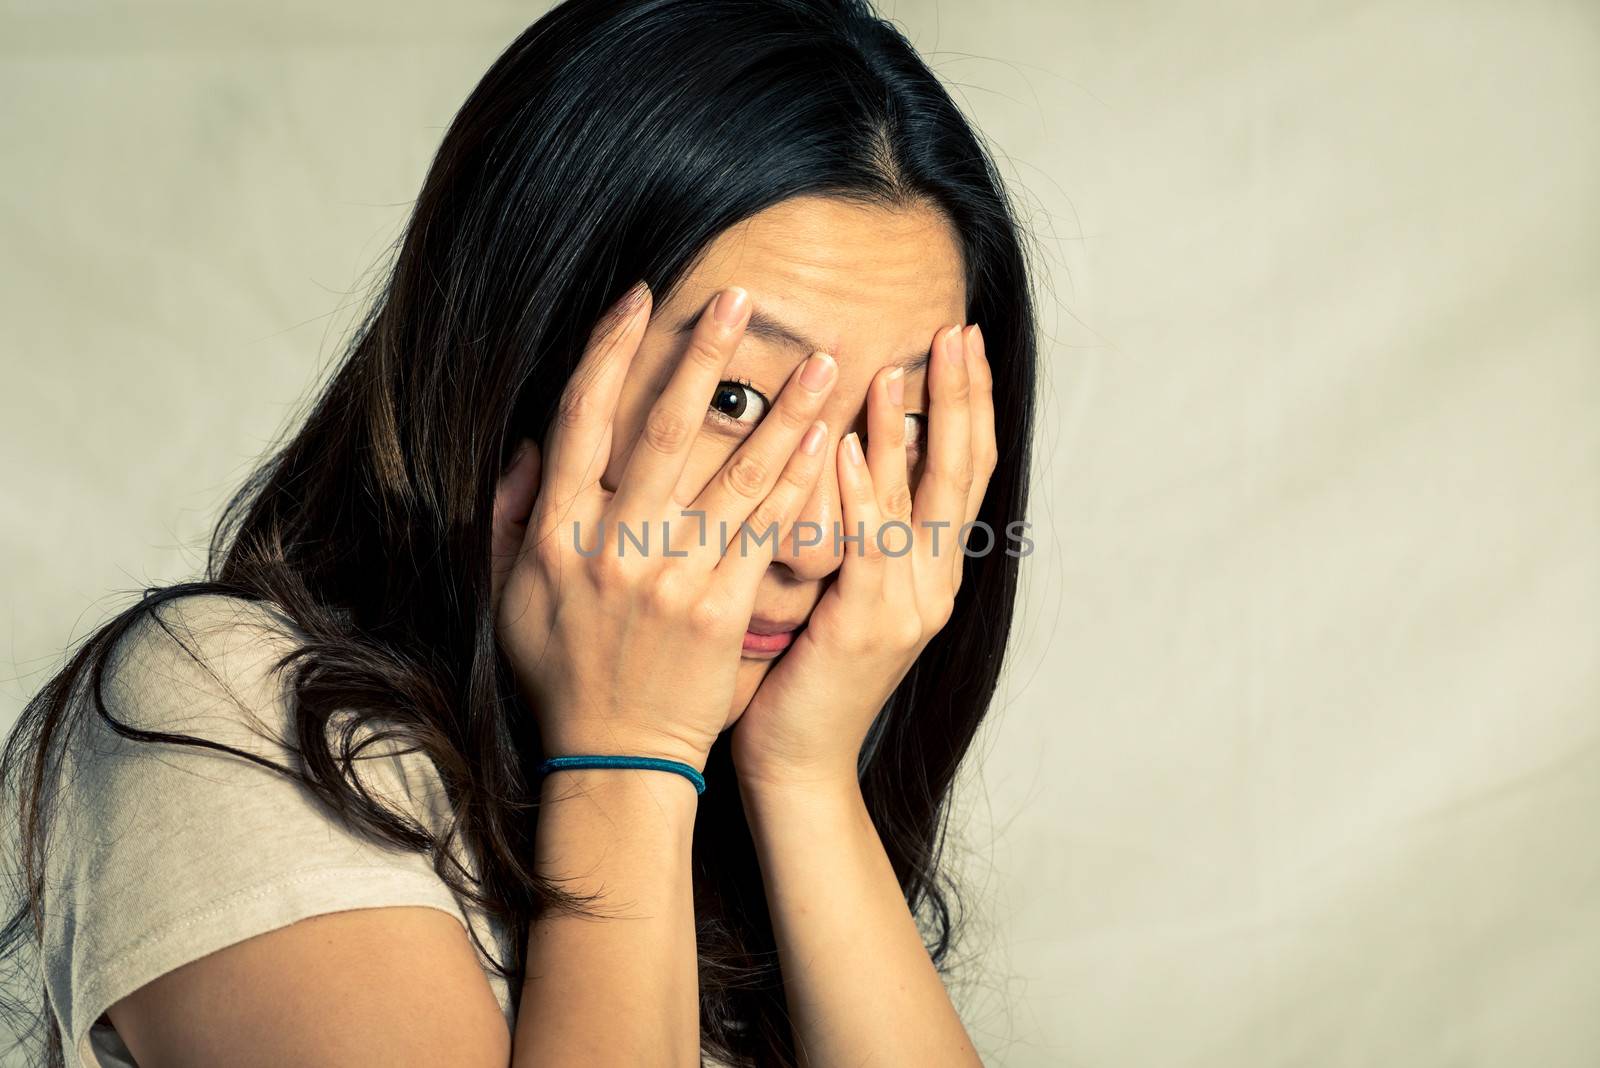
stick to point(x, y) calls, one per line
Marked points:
point(770, 328)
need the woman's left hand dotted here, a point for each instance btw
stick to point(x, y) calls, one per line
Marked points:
point(810, 715)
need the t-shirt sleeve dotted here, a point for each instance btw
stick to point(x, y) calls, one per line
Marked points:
point(162, 853)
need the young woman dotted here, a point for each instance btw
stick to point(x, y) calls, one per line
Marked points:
point(300, 812)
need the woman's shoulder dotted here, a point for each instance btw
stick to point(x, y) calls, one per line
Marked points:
point(167, 850)
point(204, 661)
point(212, 666)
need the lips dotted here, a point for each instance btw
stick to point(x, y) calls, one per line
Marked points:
point(767, 643)
point(770, 636)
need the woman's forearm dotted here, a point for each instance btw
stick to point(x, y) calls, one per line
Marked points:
point(623, 990)
point(860, 985)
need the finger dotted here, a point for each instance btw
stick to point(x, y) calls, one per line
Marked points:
point(513, 507)
point(578, 441)
point(749, 475)
point(862, 570)
point(941, 495)
point(674, 420)
point(749, 555)
point(886, 444)
point(985, 452)
point(890, 474)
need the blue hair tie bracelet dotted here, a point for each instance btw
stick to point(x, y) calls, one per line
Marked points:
point(607, 761)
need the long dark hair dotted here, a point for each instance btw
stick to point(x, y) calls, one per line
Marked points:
point(612, 141)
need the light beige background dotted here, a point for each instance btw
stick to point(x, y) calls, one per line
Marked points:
point(1298, 761)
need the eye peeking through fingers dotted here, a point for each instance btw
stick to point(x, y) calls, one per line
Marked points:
point(737, 403)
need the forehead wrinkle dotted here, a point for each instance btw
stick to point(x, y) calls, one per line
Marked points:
point(764, 326)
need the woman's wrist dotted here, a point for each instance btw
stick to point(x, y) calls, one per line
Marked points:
point(825, 774)
point(760, 781)
point(635, 803)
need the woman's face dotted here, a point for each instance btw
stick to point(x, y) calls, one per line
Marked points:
point(871, 286)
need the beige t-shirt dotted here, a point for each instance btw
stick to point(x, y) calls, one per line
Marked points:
point(167, 852)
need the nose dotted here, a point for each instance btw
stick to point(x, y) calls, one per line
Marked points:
point(808, 545)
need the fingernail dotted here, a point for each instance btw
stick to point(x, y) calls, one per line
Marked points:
point(896, 387)
point(730, 305)
point(953, 348)
point(817, 371)
point(852, 447)
point(626, 307)
point(813, 439)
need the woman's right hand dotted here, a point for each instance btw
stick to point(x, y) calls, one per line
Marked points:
point(637, 653)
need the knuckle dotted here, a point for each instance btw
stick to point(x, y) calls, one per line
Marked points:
point(961, 472)
point(908, 635)
point(767, 516)
point(665, 429)
point(663, 594)
point(956, 471)
point(899, 499)
point(608, 570)
point(960, 390)
point(704, 353)
point(746, 475)
point(793, 416)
